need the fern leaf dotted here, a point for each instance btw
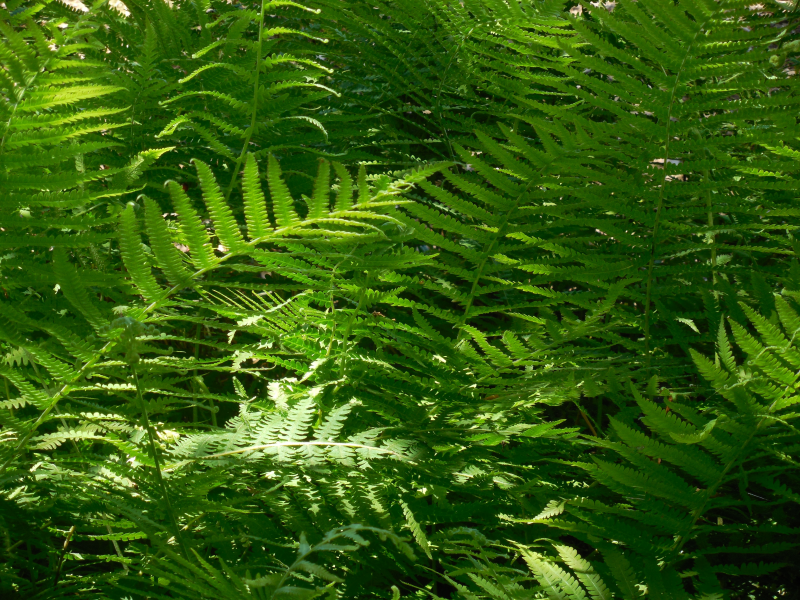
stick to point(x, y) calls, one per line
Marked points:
point(320, 200)
point(585, 573)
point(225, 226)
point(557, 583)
point(134, 257)
point(282, 202)
point(623, 573)
point(194, 233)
point(416, 530)
point(344, 197)
point(788, 316)
point(255, 206)
point(167, 255)
point(75, 291)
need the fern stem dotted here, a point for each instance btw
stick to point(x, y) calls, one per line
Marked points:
point(57, 574)
point(151, 436)
point(588, 422)
point(501, 231)
point(660, 204)
point(195, 415)
point(437, 108)
point(333, 320)
point(198, 382)
point(8, 394)
point(252, 127)
point(600, 412)
point(709, 207)
point(361, 296)
point(117, 549)
point(213, 410)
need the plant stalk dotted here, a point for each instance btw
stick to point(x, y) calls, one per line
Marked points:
point(151, 436)
point(249, 132)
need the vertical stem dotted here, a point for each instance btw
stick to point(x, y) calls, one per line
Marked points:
point(117, 549)
point(249, 132)
point(586, 419)
point(333, 314)
point(600, 412)
point(151, 436)
point(195, 415)
point(57, 574)
point(33, 569)
point(660, 203)
point(213, 410)
point(437, 109)
point(197, 382)
point(8, 394)
point(362, 295)
point(709, 207)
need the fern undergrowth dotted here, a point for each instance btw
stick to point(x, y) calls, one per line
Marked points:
point(488, 299)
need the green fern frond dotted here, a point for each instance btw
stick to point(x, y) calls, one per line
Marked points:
point(225, 226)
point(255, 208)
point(167, 255)
point(134, 256)
point(192, 229)
point(285, 215)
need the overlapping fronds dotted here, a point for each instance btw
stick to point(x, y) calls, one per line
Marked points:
point(695, 484)
point(215, 81)
point(630, 193)
point(436, 71)
point(58, 111)
point(250, 321)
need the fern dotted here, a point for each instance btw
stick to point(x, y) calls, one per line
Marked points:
point(693, 487)
point(224, 582)
point(250, 321)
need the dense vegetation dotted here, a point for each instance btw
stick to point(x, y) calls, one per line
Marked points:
point(435, 299)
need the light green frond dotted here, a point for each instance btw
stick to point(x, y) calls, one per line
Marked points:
point(789, 318)
point(585, 573)
point(416, 530)
point(558, 584)
point(168, 257)
point(344, 196)
point(320, 200)
point(225, 226)
point(282, 202)
point(255, 206)
point(710, 371)
point(194, 234)
point(134, 256)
